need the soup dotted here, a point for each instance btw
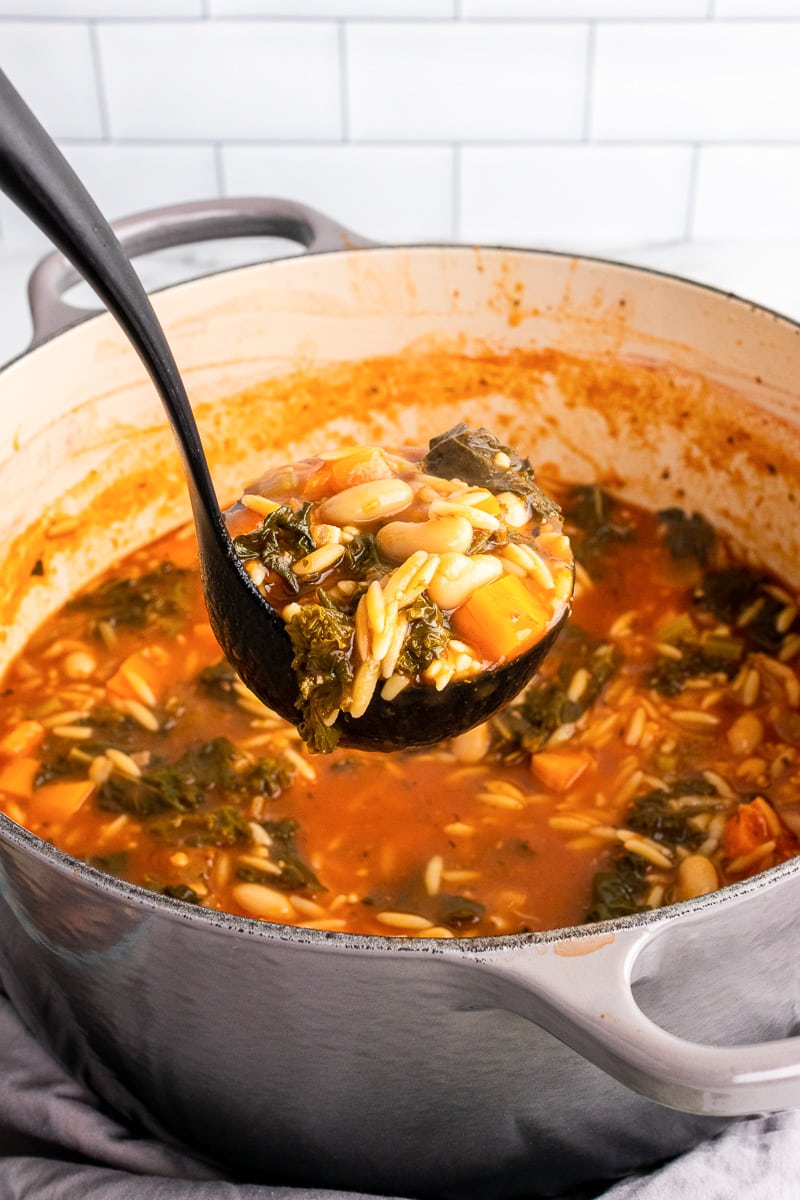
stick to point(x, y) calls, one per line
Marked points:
point(654, 758)
point(405, 567)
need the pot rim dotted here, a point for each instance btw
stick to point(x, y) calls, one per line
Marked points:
point(29, 843)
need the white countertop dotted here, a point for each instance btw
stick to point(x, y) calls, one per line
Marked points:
point(767, 273)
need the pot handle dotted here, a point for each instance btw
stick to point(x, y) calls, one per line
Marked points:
point(177, 225)
point(580, 990)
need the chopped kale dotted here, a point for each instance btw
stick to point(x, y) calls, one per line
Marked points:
point(427, 637)
point(740, 597)
point(525, 726)
point(205, 769)
point(218, 682)
point(620, 891)
point(224, 826)
point(596, 518)
point(361, 559)
point(322, 638)
point(157, 600)
point(113, 864)
point(295, 874)
point(659, 815)
point(687, 537)
point(471, 455)
point(711, 656)
point(59, 762)
point(283, 537)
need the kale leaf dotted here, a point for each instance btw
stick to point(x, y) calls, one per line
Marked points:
point(741, 597)
point(711, 656)
point(619, 891)
point(687, 537)
point(224, 826)
point(656, 815)
point(322, 638)
point(218, 682)
point(427, 637)
point(204, 770)
point(525, 726)
point(283, 537)
point(471, 455)
point(157, 600)
point(595, 516)
point(295, 874)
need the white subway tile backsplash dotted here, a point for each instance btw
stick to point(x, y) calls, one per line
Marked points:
point(335, 9)
point(595, 9)
point(757, 8)
point(747, 192)
point(697, 81)
point(77, 9)
point(127, 179)
point(391, 194)
point(211, 80)
point(51, 65)
point(574, 197)
point(466, 82)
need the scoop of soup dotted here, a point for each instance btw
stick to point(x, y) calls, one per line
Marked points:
point(394, 568)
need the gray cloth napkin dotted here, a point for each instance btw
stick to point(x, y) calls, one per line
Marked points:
point(57, 1142)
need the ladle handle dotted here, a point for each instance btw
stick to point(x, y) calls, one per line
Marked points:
point(179, 225)
point(37, 177)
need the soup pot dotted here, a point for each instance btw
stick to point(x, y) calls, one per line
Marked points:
point(468, 1068)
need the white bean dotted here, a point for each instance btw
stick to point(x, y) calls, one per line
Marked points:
point(697, 876)
point(459, 575)
point(447, 535)
point(367, 502)
point(321, 559)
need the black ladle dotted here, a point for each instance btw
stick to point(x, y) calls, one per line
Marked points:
point(37, 177)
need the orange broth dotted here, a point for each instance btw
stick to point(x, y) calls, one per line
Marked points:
point(496, 832)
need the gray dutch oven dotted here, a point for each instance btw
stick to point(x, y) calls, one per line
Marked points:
point(469, 1068)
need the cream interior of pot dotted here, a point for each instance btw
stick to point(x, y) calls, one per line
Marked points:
point(705, 414)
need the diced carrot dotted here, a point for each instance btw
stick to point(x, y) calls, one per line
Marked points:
point(502, 619)
point(752, 825)
point(18, 774)
point(362, 466)
point(560, 769)
point(22, 739)
point(320, 484)
point(490, 505)
point(138, 678)
point(55, 802)
point(745, 830)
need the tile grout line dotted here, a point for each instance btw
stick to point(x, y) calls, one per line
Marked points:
point(99, 82)
point(344, 83)
point(588, 98)
point(691, 199)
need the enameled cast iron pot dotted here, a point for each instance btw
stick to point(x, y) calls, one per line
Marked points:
point(515, 1066)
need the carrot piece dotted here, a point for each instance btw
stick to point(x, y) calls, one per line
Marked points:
point(319, 484)
point(138, 678)
point(502, 619)
point(60, 800)
point(22, 739)
point(18, 774)
point(745, 830)
point(753, 825)
point(490, 505)
point(559, 769)
point(362, 466)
